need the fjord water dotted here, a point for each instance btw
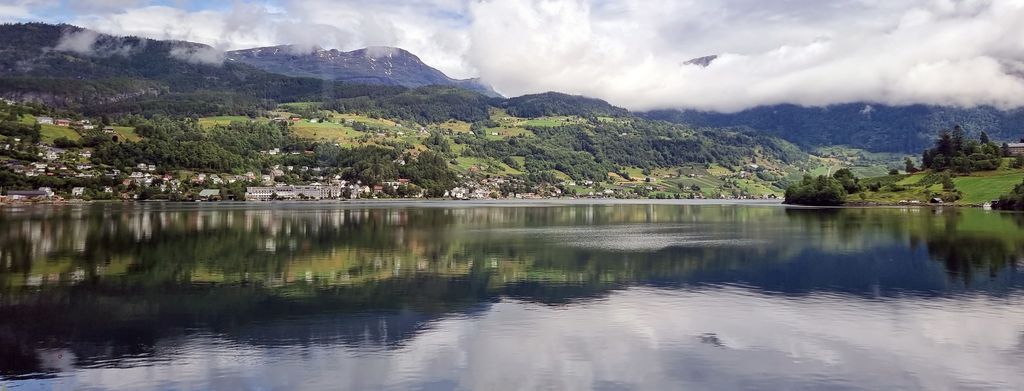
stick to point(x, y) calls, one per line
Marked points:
point(509, 296)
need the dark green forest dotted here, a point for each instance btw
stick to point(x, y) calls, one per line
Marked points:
point(1012, 201)
point(553, 103)
point(593, 150)
point(954, 151)
point(904, 129)
point(143, 83)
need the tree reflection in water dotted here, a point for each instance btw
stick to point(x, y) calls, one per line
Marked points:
point(101, 284)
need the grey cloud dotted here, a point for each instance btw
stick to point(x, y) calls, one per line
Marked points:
point(104, 5)
point(308, 36)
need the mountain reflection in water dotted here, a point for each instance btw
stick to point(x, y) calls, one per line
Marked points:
point(520, 296)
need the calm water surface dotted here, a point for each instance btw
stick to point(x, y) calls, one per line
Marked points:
point(559, 296)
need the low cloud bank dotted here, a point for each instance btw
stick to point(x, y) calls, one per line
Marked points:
point(634, 53)
point(198, 54)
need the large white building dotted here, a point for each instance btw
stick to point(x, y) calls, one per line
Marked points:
point(315, 192)
point(1016, 149)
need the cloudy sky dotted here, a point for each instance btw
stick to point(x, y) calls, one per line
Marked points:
point(630, 52)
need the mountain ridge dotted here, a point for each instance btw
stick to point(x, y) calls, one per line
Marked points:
point(374, 65)
point(67, 65)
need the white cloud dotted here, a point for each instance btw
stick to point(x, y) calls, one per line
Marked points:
point(814, 53)
point(632, 52)
point(88, 42)
point(712, 338)
point(215, 28)
point(198, 54)
point(103, 5)
point(80, 42)
point(433, 30)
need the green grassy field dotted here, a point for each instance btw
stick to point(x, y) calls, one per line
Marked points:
point(549, 121)
point(366, 120)
point(890, 197)
point(505, 132)
point(340, 134)
point(53, 132)
point(209, 122)
point(27, 119)
point(977, 188)
point(636, 173)
point(49, 133)
point(717, 170)
point(981, 189)
point(754, 188)
point(702, 182)
point(301, 105)
point(912, 179)
point(455, 126)
point(127, 133)
point(485, 165)
point(823, 170)
point(869, 172)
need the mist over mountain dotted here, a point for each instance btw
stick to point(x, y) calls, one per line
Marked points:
point(68, 66)
point(373, 65)
point(65, 64)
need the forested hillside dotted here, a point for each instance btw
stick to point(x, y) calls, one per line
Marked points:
point(67, 66)
point(554, 103)
point(176, 108)
point(906, 129)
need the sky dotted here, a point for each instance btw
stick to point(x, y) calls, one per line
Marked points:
point(632, 53)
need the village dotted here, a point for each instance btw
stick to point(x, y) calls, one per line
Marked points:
point(146, 182)
point(67, 166)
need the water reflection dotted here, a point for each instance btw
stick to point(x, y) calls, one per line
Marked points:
point(490, 297)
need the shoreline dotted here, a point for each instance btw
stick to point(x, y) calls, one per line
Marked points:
point(505, 202)
point(399, 201)
point(868, 204)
